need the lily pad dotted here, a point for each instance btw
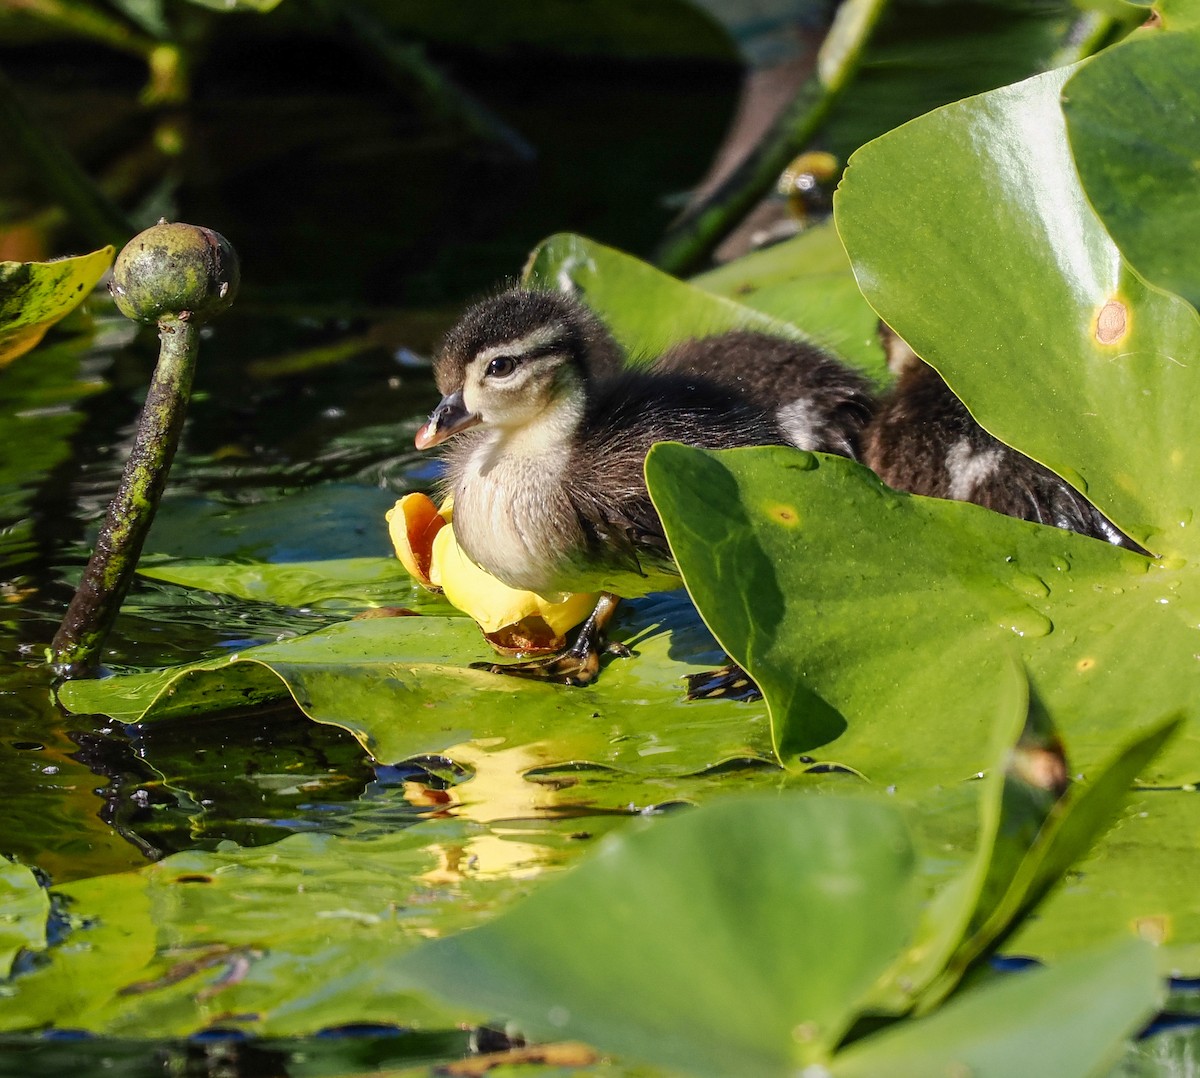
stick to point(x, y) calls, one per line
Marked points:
point(24, 907)
point(35, 295)
point(751, 935)
point(1053, 341)
point(808, 282)
point(879, 625)
point(1071, 1019)
point(355, 582)
point(635, 951)
point(1131, 119)
point(646, 309)
point(404, 687)
point(307, 933)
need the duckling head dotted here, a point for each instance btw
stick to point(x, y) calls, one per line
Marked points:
point(513, 360)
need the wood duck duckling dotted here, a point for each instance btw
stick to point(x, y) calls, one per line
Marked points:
point(550, 434)
point(923, 440)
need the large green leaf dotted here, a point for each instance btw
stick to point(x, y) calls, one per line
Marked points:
point(1131, 116)
point(1072, 1019)
point(903, 635)
point(881, 622)
point(1052, 340)
point(807, 281)
point(646, 309)
point(737, 939)
point(404, 687)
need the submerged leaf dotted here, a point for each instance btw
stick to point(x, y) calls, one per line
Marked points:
point(24, 908)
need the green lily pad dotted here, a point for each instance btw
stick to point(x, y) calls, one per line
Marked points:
point(1052, 340)
point(646, 309)
point(878, 624)
point(358, 582)
point(635, 951)
point(404, 687)
point(808, 282)
point(1140, 880)
point(24, 907)
point(306, 933)
point(1131, 121)
point(1070, 1020)
point(35, 295)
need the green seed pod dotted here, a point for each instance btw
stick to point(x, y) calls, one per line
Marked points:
point(175, 271)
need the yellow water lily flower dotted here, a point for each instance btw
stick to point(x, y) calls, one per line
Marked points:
point(511, 620)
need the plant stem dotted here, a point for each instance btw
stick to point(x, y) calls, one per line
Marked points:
point(75, 650)
point(691, 239)
point(87, 205)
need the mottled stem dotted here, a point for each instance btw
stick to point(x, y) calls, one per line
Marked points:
point(702, 227)
point(75, 650)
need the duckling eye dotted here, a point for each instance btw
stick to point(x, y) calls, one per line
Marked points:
point(501, 367)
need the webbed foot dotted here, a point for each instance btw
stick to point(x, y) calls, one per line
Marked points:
point(725, 683)
point(577, 665)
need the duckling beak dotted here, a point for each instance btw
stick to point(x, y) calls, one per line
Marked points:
point(449, 417)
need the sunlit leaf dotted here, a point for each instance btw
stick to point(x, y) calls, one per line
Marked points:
point(1051, 340)
point(1131, 116)
point(646, 309)
point(35, 295)
point(736, 939)
point(1069, 1020)
point(899, 614)
point(404, 687)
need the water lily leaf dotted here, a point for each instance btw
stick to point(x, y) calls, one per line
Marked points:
point(404, 687)
point(1140, 880)
point(646, 309)
point(633, 951)
point(899, 614)
point(1053, 342)
point(24, 907)
point(1068, 829)
point(1071, 1020)
point(1131, 120)
point(303, 934)
point(35, 295)
point(808, 282)
point(336, 581)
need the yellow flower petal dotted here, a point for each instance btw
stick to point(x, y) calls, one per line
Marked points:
point(511, 620)
point(413, 523)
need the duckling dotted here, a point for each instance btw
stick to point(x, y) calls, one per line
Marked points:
point(924, 441)
point(550, 434)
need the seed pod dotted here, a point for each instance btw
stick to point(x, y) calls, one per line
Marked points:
point(175, 271)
